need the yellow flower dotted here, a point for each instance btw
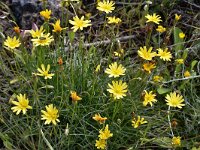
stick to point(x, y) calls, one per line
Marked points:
point(50, 115)
point(101, 144)
point(157, 78)
point(164, 54)
point(153, 18)
point(177, 17)
point(98, 68)
point(21, 105)
point(118, 89)
point(16, 29)
point(12, 42)
point(106, 6)
point(180, 61)
point(105, 134)
point(43, 40)
point(176, 141)
point(149, 98)
point(100, 119)
point(79, 23)
point(137, 122)
point(119, 53)
point(174, 100)
point(187, 74)
point(146, 54)
point(114, 70)
point(37, 33)
point(114, 20)
point(57, 27)
point(46, 14)
point(161, 29)
point(181, 35)
point(149, 66)
point(45, 72)
point(75, 97)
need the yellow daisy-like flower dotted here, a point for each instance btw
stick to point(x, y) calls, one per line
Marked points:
point(177, 17)
point(101, 144)
point(79, 23)
point(157, 78)
point(149, 66)
point(137, 122)
point(161, 29)
point(174, 100)
point(43, 40)
point(12, 42)
point(46, 14)
point(146, 54)
point(45, 72)
point(114, 20)
point(153, 18)
point(106, 6)
point(176, 141)
point(99, 119)
point(50, 115)
point(118, 89)
point(115, 70)
point(180, 61)
point(149, 98)
point(37, 33)
point(181, 35)
point(75, 97)
point(21, 105)
point(187, 74)
point(57, 27)
point(164, 54)
point(16, 29)
point(105, 133)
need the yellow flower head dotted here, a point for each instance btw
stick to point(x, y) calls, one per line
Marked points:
point(43, 40)
point(153, 18)
point(174, 100)
point(37, 33)
point(180, 61)
point(98, 68)
point(100, 119)
point(149, 98)
point(57, 27)
point(50, 115)
point(16, 29)
point(161, 29)
point(114, 20)
point(146, 54)
point(177, 17)
point(21, 105)
point(101, 144)
point(105, 134)
point(46, 14)
point(12, 42)
point(79, 23)
point(187, 74)
point(176, 141)
point(181, 35)
point(75, 97)
point(157, 78)
point(115, 70)
point(118, 89)
point(137, 122)
point(149, 66)
point(164, 54)
point(106, 6)
point(44, 72)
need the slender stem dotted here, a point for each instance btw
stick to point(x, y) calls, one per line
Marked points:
point(169, 121)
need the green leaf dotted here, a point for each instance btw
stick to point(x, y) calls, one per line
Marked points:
point(6, 141)
point(163, 90)
point(71, 35)
point(194, 62)
point(179, 45)
point(164, 142)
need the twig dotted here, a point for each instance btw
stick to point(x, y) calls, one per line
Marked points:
point(192, 77)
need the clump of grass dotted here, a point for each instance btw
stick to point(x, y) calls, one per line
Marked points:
point(73, 92)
